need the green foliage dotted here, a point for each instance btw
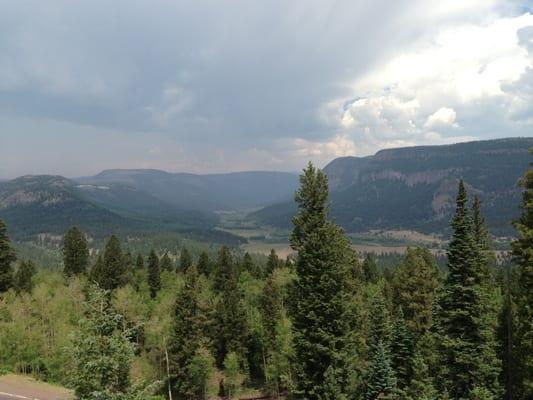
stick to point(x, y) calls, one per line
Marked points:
point(7, 258)
point(467, 346)
point(318, 296)
point(166, 263)
point(23, 278)
point(154, 274)
point(402, 351)
point(523, 329)
point(204, 264)
point(110, 272)
point(102, 351)
point(75, 252)
point(370, 268)
point(185, 259)
point(415, 286)
point(139, 262)
point(381, 381)
point(233, 374)
point(273, 262)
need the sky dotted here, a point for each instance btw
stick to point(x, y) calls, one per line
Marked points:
point(231, 85)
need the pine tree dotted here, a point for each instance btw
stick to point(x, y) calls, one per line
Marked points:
point(23, 278)
point(370, 268)
point(523, 257)
point(166, 263)
point(249, 265)
point(421, 386)
point(273, 262)
point(463, 325)
point(7, 258)
point(101, 351)
point(415, 285)
point(139, 262)
point(154, 274)
point(204, 264)
point(381, 381)
point(270, 304)
point(380, 326)
point(402, 351)
point(224, 269)
point(111, 273)
point(185, 259)
point(75, 252)
point(231, 320)
point(188, 334)
point(319, 304)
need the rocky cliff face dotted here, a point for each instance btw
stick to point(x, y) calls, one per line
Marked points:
point(414, 188)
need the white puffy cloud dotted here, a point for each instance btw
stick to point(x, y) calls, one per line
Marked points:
point(467, 81)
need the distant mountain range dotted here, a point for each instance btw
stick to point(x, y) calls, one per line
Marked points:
point(135, 201)
point(415, 187)
point(408, 188)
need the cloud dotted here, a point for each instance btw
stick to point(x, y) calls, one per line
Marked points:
point(466, 82)
point(254, 85)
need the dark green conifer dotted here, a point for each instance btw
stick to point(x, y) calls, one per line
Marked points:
point(204, 264)
point(402, 348)
point(248, 264)
point(318, 296)
point(224, 269)
point(370, 268)
point(466, 334)
point(415, 285)
point(166, 263)
point(139, 262)
point(111, 272)
point(75, 252)
point(23, 279)
point(273, 262)
point(233, 332)
point(190, 321)
point(271, 303)
point(185, 259)
point(523, 331)
point(7, 258)
point(154, 274)
point(381, 381)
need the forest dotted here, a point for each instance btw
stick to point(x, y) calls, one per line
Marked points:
point(325, 323)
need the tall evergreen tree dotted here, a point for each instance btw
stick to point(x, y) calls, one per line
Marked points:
point(415, 285)
point(102, 351)
point(231, 320)
point(185, 259)
point(190, 321)
point(166, 263)
point(224, 269)
point(249, 265)
point(111, 273)
point(75, 252)
point(381, 381)
point(319, 304)
point(271, 304)
point(204, 264)
point(402, 349)
point(23, 278)
point(154, 274)
point(469, 363)
point(7, 258)
point(523, 257)
point(139, 262)
point(273, 262)
point(370, 268)
point(482, 240)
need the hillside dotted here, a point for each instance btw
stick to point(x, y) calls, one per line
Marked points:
point(210, 192)
point(414, 188)
point(33, 205)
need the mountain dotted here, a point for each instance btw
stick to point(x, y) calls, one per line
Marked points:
point(212, 192)
point(415, 187)
point(33, 205)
